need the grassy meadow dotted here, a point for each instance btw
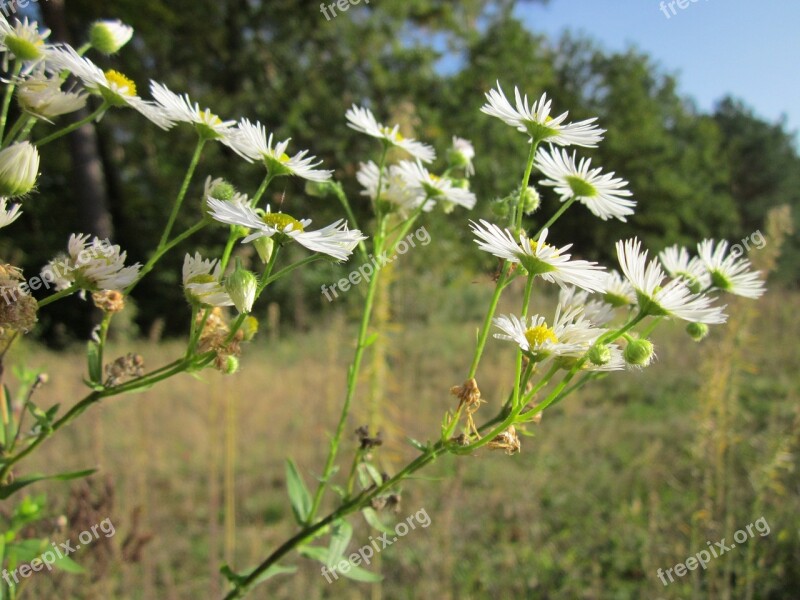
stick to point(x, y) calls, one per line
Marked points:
point(635, 473)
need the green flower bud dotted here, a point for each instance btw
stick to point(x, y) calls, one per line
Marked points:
point(530, 200)
point(231, 365)
point(599, 355)
point(24, 41)
point(19, 169)
point(264, 246)
point(241, 286)
point(697, 331)
point(107, 37)
point(221, 190)
point(638, 352)
point(249, 328)
point(500, 207)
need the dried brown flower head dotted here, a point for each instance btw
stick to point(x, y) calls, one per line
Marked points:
point(110, 301)
point(469, 396)
point(507, 441)
point(125, 367)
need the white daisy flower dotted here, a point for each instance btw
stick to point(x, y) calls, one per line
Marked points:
point(570, 337)
point(678, 263)
point(539, 258)
point(335, 240)
point(604, 195)
point(363, 121)
point(42, 97)
point(92, 265)
point(674, 298)
point(8, 216)
point(431, 186)
point(534, 336)
point(202, 281)
point(114, 87)
point(730, 273)
point(596, 311)
point(535, 120)
point(23, 41)
point(395, 190)
point(180, 109)
point(251, 142)
point(618, 291)
point(108, 37)
point(461, 155)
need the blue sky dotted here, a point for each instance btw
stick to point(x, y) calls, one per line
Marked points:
point(749, 48)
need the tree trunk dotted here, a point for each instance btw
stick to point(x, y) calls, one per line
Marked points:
point(87, 165)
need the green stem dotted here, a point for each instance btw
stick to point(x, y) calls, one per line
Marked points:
point(226, 253)
point(352, 377)
point(8, 95)
point(339, 193)
point(261, 189)
point(557, 216)
point(73, 126)
point(265, 277)
point(20, 123)
point(104, 325)
point(523, 186)
point(487, 322)
point(526, 299)
point(58, 296)
point(286, 270)
point(176, 206)
point(163, 250)
point(349, 507)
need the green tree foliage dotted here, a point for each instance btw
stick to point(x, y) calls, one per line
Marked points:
point(426, 64)
point(764, 172)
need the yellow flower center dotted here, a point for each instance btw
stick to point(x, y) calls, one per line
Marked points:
point(209, 118)
point(281, 221)
point(284, 158)
point(202, 278)
point(120, 83)
point(540, 334)
point(397, 136)
point(534, 245)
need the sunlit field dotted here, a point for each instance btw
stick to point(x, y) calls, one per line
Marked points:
point(630, 476)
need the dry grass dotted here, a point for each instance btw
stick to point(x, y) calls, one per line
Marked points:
point(601, 496)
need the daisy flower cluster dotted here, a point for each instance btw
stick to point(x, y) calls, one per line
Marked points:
point(594, 327)
point(52, 81)
point(408, 186)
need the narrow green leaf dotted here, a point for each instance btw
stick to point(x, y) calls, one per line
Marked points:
point(374, 521)
point(21, 482)
point(371, 340)
point(361, 574)
point(66, 564)
point(340, 538)
point(417, 444)
point(94, 362)
point(314, 553)
point(299, 495)
point(374, 474)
